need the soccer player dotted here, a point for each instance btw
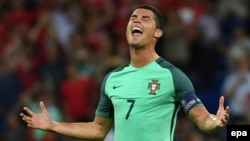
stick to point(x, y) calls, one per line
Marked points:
point(141, 98)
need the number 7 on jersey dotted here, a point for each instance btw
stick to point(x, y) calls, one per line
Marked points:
point(132, 102)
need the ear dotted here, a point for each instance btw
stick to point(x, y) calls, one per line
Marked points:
point(158, 33)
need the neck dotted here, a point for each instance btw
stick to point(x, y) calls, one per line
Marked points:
point(142, 56)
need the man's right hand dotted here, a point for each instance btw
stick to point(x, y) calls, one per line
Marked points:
point(96, 130)
point(40, 121)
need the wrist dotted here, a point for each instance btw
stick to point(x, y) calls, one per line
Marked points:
point(53, 126)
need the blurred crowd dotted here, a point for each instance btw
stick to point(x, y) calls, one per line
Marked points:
point(59, 51)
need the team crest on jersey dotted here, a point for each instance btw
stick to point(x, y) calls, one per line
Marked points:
point(153, 86)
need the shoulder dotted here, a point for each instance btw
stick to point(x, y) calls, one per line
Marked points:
point(181, 81)
point(116, 70)
point(176, 72)
point(164, 63)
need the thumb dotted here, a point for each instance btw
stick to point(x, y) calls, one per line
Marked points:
point(221, 104)
point(42, 107)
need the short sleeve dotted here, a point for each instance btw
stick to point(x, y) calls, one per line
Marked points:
point(105, 106)
point(184, 91)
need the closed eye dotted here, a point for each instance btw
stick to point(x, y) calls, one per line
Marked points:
point(133, 17)
point(146, 18)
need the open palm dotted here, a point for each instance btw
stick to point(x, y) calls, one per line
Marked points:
point(39, 121)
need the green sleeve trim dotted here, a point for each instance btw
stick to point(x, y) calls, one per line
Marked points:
point(105, 106)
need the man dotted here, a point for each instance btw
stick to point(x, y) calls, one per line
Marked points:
point(141, 98)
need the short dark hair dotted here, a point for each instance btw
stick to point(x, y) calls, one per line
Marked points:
point(159, 19)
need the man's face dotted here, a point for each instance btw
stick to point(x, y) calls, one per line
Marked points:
point(141, 28)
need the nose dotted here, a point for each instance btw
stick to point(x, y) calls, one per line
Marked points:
point(136, 21)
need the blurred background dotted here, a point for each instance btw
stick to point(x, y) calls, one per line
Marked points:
point(59, 51)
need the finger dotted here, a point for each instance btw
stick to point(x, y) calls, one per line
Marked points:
point(226, 117)
point(29, 112)
point(42, 106)
point(224, 121)
point(31, 125)
point(27, 120)
point(25, 117)
point(227, 109)
point(22, 114)
point(221, 103)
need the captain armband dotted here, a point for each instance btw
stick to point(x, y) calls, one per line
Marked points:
point(189, 101)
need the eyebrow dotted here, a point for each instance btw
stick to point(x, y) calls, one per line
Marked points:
point(133, 15)
point(144, 17)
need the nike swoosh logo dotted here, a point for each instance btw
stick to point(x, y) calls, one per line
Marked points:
point(114, 87)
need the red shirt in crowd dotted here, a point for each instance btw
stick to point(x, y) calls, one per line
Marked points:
point(79, 96)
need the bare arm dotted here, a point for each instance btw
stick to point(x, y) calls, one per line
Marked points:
point(96, 130)
point(208, 122)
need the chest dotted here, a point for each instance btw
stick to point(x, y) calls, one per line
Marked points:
point(153, 86)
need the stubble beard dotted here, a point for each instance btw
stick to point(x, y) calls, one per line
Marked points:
point(136, 47)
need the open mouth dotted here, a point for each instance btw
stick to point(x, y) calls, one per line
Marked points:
point(136, 31)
